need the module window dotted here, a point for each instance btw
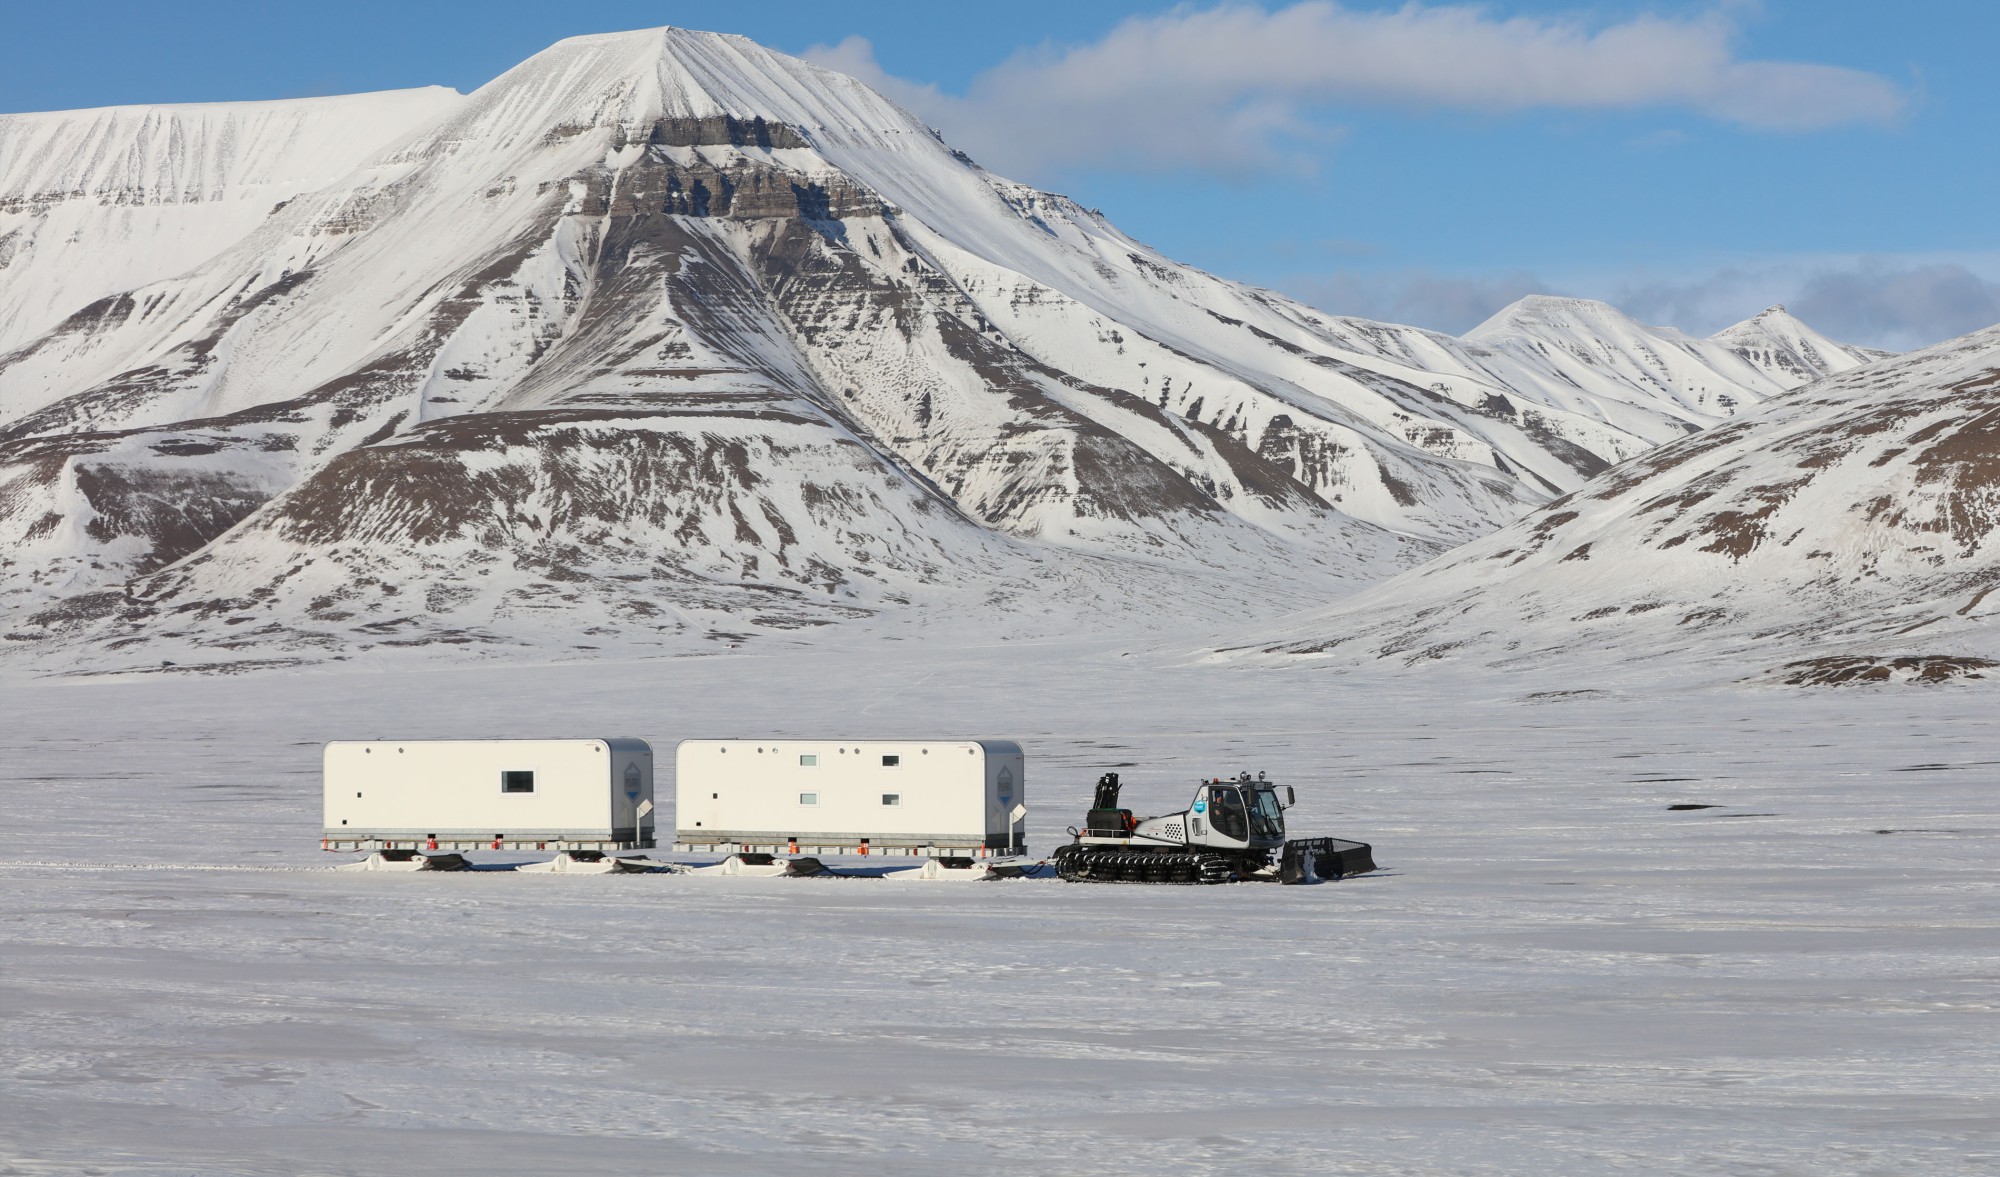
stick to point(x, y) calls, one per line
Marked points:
point(517, 782)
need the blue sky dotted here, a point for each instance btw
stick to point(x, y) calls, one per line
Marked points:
point(1691, 162)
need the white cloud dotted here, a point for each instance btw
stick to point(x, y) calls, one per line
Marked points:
point(1885, 304)
point(1238, 86)
point(1703, 304)
point(1897, 303)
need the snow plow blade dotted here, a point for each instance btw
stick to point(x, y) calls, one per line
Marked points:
point(406, 860)
point(1319, 860)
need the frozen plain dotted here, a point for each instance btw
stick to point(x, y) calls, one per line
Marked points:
point(1555, 973)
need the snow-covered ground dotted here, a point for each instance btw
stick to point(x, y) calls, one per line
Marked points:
point(1555, 973)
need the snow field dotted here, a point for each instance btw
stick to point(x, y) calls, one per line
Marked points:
point(1554, 973)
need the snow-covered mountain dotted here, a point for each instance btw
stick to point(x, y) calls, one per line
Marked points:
point(1845, 533)
point(1788, 351)
point(663, 335)
point(97, 202)
point(1599, 356)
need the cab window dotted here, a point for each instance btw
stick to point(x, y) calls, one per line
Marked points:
point(1226, 813)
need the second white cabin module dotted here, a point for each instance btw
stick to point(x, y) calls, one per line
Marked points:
point(909, 796)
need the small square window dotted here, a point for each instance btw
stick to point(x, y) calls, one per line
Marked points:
point(808, 760)
point(809, 798)
point(892, 798)
point(517, 782)
point(891, 761)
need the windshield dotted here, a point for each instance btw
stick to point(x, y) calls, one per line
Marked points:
point(1266, 819)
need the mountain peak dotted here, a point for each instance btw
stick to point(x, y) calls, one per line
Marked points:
point(1773, 317)
point(1549, 310)
point(633, 79)
point(1706, 381)
point(1786, 348)
point(701, 340)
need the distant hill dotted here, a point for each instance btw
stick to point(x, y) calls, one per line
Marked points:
point(1845, 533)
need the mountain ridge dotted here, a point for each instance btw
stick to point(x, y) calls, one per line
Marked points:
point(177, 184)
point(1839, 534)
point(778, 306)
point(1780, 344)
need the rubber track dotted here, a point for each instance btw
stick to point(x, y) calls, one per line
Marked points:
point(1088, 864)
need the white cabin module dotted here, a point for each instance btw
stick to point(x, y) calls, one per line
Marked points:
point(870, 796)
point(461, 794)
